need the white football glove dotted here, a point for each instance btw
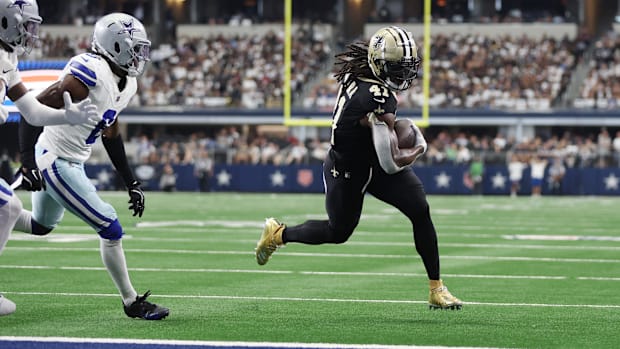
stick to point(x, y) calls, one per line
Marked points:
point(83, 112)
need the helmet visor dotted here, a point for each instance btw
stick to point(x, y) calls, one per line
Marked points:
point(29, 34)
point(403, 70)
point(140, 54)
point(142, 50)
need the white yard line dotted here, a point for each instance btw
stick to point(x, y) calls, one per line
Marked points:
point(254, 228)
point(165, 343)
point(326, 300)
point(69, 238)
point(301, 272)
point(334, 255)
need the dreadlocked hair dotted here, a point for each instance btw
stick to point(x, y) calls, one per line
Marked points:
point(354, 61)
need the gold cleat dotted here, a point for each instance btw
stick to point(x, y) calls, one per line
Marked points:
point(440, 298)
point(269, 241)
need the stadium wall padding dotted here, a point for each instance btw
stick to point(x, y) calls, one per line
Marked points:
point(439, 179)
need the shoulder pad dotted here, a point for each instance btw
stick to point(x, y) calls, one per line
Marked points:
point(84, 68)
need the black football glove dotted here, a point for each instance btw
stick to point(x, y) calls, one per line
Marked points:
point(32, 180)
point(136, 198)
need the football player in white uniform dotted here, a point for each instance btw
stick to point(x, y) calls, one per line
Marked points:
point(20, 25)
point(107, 75)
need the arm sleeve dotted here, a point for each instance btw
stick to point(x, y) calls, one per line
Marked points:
point(28, 136)
point(39, 114)
point(116, 151)
point(381, 142)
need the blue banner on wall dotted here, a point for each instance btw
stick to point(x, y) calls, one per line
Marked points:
point(309, 179)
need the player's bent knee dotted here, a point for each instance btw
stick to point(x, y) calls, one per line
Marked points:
point(39, 229)
point(113, 232)
point(341, 235)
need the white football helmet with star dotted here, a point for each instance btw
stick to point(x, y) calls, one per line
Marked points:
point(19, 24)
point(123, 40)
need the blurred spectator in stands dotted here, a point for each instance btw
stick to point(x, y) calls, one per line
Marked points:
point(476, 174)
point(515, 174)
point(557, 170)
point(500, 141)
point(616, 149)
point(495, 156)
point(318, 150)
point(537, 171)
point(203, 170)
point(270, 154)
point(586, 152)
point(168, 179)
point(603, 148)
point(463, 155)
point(297, 153)
point(242, 153)
point(144, 150)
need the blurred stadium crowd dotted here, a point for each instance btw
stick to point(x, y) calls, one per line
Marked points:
point(505, 73)
point(243, 145)
point(233, 145)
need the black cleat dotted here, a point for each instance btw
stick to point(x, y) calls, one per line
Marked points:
point(140, 308)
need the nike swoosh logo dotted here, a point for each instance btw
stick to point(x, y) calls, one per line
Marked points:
point(381, 101)
point(6, 71)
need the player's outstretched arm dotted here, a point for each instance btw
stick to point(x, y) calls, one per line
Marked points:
point(39, 113)
point(53, 98)
point(113, 143)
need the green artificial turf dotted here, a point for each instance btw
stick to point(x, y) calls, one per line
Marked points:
point(534, 273)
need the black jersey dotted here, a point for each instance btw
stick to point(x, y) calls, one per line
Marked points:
point(358, 97)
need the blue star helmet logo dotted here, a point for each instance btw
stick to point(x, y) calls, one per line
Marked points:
point(20, 4)
point(128, 28)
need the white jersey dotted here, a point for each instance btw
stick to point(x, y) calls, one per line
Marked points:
point(515, 170)
point(8, 69)
point(74, 142)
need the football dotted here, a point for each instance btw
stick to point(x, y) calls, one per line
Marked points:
point(405, 133)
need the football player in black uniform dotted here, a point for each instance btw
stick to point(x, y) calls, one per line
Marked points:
point(364, 156)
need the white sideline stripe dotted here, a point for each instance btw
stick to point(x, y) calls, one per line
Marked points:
point(465, 276)
point(223, 343)
point(327, 300)
point(519, 226)
point(255, 271)
point(339, 255)
point(455, 231)
point(258, 225)
point(598, 278)
point(184, 270)
point(509, 246)
point(209, 223)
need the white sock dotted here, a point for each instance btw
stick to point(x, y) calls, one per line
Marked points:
point(113, 258)
point(24, 222)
